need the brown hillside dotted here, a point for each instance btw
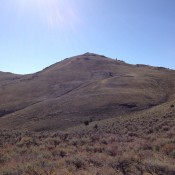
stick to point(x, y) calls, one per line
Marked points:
point(79, 88)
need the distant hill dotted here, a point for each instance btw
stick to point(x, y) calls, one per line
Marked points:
point(87, 87)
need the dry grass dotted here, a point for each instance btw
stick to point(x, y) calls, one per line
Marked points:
point(75, 95)
point(72, 91)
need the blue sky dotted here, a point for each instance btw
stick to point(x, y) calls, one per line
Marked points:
point(37, 33)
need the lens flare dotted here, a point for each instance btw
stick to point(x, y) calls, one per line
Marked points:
point(54, 13)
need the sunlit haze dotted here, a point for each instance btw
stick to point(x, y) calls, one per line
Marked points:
point(37, 33)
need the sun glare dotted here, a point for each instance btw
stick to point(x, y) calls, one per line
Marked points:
point(54, 13)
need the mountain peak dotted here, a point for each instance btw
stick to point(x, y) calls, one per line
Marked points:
point(77, 88)
point(90, 54)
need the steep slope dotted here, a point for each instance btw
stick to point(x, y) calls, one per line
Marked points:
point(79, 88)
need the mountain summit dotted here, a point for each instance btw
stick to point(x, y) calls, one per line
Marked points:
point(80, 88)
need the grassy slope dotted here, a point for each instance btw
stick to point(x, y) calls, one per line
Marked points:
point(79, 88)
point(141, 142)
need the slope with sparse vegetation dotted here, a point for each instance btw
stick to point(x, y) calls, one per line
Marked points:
point(93, 116)
point(78, 89)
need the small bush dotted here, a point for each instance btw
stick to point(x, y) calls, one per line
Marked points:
point(86, 122)
point(77, 162)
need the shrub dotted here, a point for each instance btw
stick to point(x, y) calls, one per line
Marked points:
point(96, 126)
point(77, 162)
point(86, 122)
point(112, 151)
point(62, 153)
point(169, 148)
point(3, 159)
point(172, 106)
point(158, 168)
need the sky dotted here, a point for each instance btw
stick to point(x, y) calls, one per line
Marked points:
point(37, 33)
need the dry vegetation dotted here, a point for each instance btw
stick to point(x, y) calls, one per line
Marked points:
point(73, 90)
point(116, 119)
point(141, 144)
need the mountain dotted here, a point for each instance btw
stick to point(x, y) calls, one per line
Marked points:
point(87, 87)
